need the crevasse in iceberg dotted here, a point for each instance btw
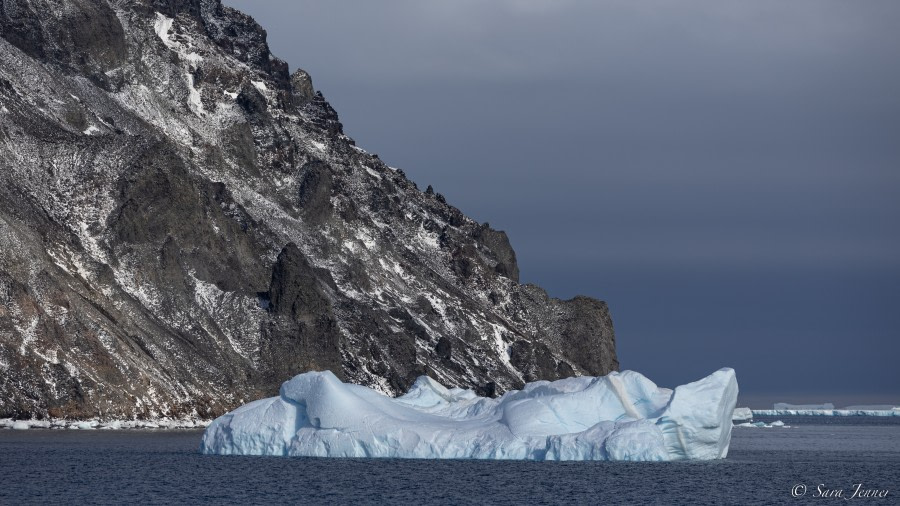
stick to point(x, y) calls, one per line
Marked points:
point(621, 416)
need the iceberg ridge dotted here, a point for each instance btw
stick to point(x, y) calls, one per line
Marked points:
point(621, 416)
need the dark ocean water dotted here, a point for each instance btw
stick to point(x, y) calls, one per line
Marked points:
point(163, 467)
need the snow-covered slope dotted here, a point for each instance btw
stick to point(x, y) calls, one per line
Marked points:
point(183, 224)
point(622, 416)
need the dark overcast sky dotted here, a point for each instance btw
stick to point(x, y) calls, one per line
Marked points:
point(725, 174)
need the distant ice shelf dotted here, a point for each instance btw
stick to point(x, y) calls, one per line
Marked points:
point(781, 406)
point(621, 416)
point(827, 412)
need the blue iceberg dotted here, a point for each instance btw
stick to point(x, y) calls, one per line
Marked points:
point(621, 416)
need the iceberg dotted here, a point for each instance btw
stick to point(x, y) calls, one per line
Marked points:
point(742, 414)
point(776, 423)
point(621, 416)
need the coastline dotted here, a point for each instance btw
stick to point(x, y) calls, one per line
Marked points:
point(95, 424)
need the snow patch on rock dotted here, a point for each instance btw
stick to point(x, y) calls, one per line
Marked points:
point(261, 86)
point(162, 26)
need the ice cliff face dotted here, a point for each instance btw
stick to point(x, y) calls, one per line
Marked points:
point(184, 224)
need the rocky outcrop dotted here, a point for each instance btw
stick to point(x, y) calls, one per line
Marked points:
point(184, 225)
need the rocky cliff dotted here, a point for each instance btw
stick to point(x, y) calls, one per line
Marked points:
point(184, 225)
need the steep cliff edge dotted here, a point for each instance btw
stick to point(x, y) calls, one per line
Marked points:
point(184, 226)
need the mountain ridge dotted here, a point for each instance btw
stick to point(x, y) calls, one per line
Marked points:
point(184, 225)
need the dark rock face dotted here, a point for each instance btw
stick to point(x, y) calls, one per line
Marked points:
point(184, 225)
point(88, 37)
point(302, 334)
